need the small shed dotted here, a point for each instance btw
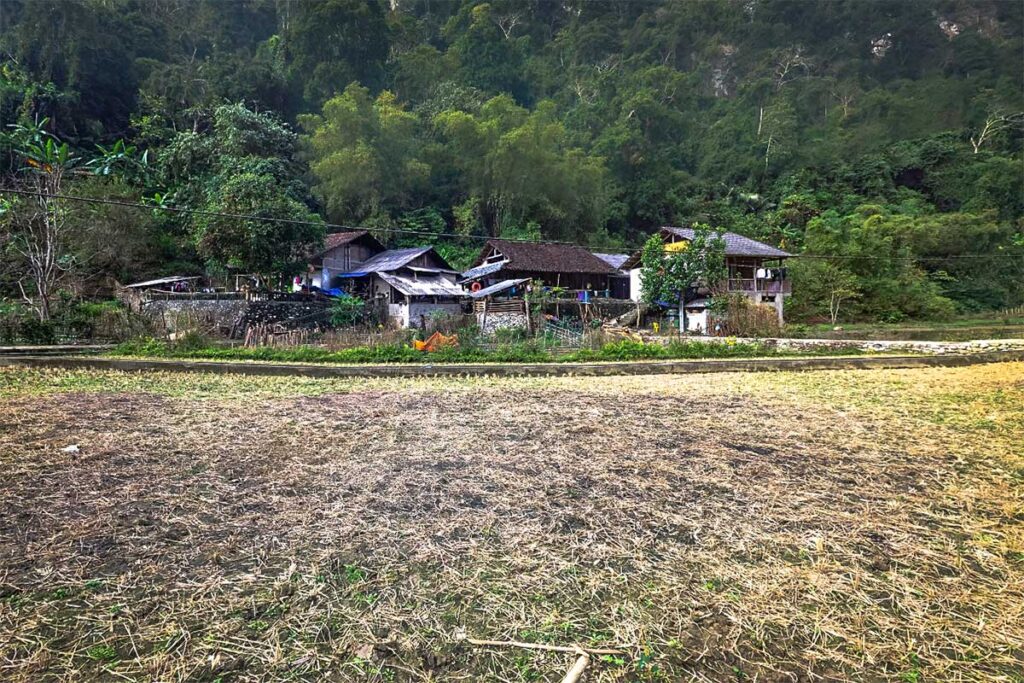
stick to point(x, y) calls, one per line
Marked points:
point(171, 283)
point(501, 305)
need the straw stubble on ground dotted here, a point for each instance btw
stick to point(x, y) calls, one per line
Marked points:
point(862, 525)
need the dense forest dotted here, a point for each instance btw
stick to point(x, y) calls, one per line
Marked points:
point(880, 140)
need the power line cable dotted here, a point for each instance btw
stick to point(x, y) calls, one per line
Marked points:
point(424, 233)
point(251, 217)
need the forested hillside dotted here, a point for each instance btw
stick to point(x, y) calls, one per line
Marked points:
point(881, 140)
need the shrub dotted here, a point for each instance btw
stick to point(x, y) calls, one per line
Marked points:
point(741, 317)
point(347, 311)
point(510, 335)
point(530, 351)
point(191, 341)
point(20, 325)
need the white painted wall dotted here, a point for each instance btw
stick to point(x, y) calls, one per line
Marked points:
point(697, 321)
point(425, 308)
point(635, 285)
point(399, 314)
point(408, 315)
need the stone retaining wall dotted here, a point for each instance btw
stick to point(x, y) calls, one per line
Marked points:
point(230, 315)
point(184, 314)
point(928, 347)
point(495, 321)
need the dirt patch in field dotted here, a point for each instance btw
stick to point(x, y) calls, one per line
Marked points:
point(859, 525)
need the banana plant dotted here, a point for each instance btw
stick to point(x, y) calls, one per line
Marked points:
point(121, 159)
point(43, 153)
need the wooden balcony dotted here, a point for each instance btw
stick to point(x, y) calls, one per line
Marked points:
point(759, 286)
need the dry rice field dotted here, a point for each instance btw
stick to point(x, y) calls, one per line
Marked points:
point(848, 525)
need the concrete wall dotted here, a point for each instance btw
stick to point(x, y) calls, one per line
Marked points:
point(399, 314)
point(425, 309)
point(409, 315)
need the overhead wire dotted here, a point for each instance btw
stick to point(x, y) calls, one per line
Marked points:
point(455, 235)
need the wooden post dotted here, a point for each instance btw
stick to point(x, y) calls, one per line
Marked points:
point(573, 675)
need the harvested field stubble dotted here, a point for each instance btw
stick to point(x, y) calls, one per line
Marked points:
point(862, 525)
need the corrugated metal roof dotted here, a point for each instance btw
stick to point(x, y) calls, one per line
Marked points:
point(422, 287)
point(613, 260)
point(164, 280)
point(498, 287)
point(417, 269)
point(486, 269)
point(392, 259)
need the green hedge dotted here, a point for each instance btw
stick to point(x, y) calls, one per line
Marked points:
point(522, 352)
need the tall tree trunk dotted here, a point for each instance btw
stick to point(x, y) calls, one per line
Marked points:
point(682, 313)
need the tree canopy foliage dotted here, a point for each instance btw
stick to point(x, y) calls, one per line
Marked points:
point(882, 138)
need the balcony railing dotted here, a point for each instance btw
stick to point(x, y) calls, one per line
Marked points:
point(760, 285)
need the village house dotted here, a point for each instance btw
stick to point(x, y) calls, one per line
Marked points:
point(342, 253)
point(567, 266)
point(755, 269)
point(406, 285)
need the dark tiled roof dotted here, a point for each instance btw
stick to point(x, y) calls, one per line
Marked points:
point(337, 239)
point(545, 257)
point(736, 245)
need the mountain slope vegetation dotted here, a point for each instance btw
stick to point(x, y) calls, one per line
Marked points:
point(881, 140)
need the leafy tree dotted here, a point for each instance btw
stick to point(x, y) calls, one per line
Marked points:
point(522, 167)
point(486, 47)
point(37, 226)
point(669, 275)
point(825, 285)
point(366, 156)
point(245, 165)
point(82, 53)
point(875, 246)
point(331, 43)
